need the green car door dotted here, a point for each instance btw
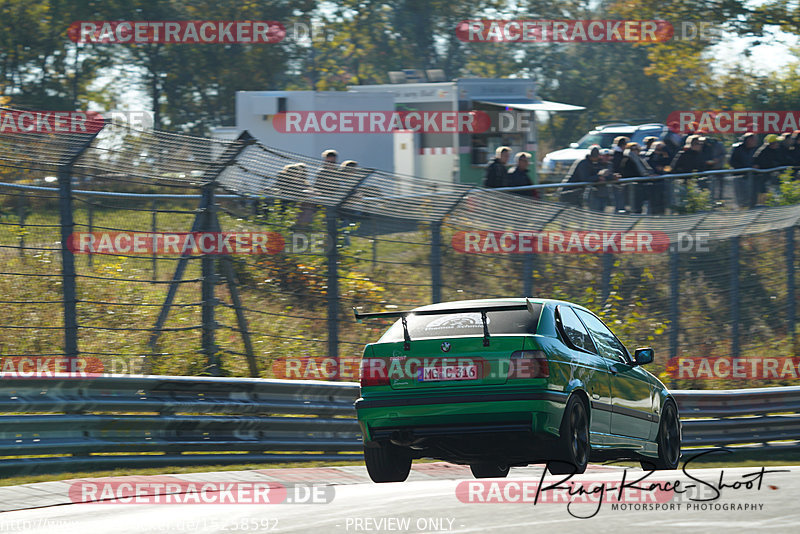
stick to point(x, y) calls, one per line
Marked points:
point(631, 390)
point(596, 382)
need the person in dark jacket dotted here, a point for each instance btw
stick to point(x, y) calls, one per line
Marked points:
point(742, 158)
point(497, 172)
point(659, 159)
point(794, 149)
point(633, 166)
point(742, 153)
point(690, 157)
point(518, 175)
point(620, 191)
point(785, 148)
point(583, 170)
point(768, 156)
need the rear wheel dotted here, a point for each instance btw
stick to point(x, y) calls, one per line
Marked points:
point(387, 463)
point(488, 470)
point(573, 444)
point(668, 439)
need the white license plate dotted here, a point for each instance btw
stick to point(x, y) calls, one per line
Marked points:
point(450, 372)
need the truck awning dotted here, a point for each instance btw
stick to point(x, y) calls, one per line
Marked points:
point(530, 104)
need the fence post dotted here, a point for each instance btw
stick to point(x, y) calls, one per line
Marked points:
point(67, 222)
point(68, 262)
point(22, 212)
point(436, 262)
point(333, 283)
point(154, 229)
point(527, 275)
point(790, 296)
point(209, 280)
point(674, 313)
point(608, 264)
point(90, 224)
point(734, 269)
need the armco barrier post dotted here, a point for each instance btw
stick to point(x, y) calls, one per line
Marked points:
point(790, 303)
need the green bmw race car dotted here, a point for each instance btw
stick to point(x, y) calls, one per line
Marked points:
point(509, 382)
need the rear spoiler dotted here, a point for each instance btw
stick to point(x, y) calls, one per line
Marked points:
point(483, 310)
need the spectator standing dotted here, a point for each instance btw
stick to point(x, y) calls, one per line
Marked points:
point(742, 152)
point(742, 158)
point(688, 160)
point(633, 166)
point(659, 159)
point(714, 157)
point(768, 156)
point(785, 148)
point(496, 171)
point(619, 189)
point(518, 175)
point(328, 180)
point(690, 157)
point(583, 170)
point(647, 143)
point(598, 196)
point(794, 149)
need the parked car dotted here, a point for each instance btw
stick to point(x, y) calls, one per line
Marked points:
point(559, 161)
point(509, 382)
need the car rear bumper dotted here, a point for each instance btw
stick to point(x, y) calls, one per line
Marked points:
point(436, 415)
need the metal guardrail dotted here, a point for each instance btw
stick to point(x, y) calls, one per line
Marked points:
point(748, 418)
point(158, 421)
point(51, 424)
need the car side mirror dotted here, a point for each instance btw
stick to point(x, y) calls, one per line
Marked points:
point(644, 355)
point(573, 145)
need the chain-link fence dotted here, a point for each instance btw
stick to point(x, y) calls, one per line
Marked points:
point(715, 283)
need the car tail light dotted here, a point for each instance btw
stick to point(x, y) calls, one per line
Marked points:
point(528, 364)
point(374, 372)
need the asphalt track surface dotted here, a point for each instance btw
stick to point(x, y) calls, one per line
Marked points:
point(432, 500)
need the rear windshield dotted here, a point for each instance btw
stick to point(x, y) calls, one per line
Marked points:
point(465, 324)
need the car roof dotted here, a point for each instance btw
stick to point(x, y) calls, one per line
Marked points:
point(626, 128)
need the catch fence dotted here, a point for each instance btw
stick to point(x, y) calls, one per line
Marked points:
point(714, 283)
